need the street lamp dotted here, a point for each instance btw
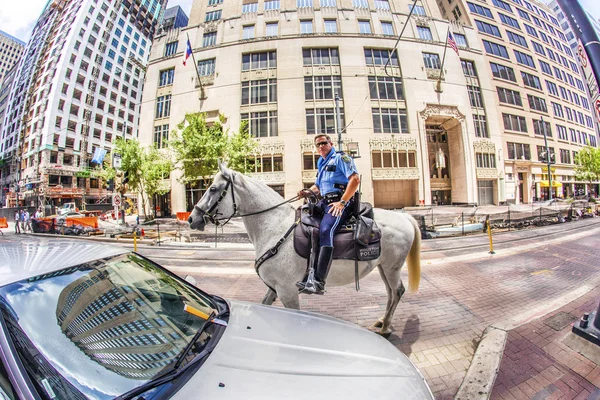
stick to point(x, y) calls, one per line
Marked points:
point(548, 159)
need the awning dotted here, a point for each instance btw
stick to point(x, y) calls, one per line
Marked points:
point(555, 184)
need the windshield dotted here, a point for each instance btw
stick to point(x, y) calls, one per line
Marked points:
point(103, 328)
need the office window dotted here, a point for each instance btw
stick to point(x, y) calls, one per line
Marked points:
point(214, 2)
point(364, 27)
point(562, 132)
point(389, 120)
point(331, 26)
point(480, 124)
point(503, 5)
point(565, 155)
point(262, 60)
point(461, 40)
point(328, 3)
point(163, 106)
point(322, 87)
point(542, 154)
point(488, 28)
point(524, 59)
point(417, 10)
point(161, 135)
point(514, 123)
point(166, 77)
point(503, 72)
point(381, 57)
point(209, 39)
point(531, 30)
point(322, 120)
point(213, 15)
point(259, 91)
point(552, 88)
point(531, 80)
point(485, 160)
point(456, 12)
point(545, 67)
point(558, 110)
point(272, 29)
point(509, 96)
point(495, 49)
point(382, 5)
point(518, 151)
point(481, 10)
point(517, 39)
point(170, 49)
point(541, 127)
point(386, 88)
point(510, 21)
point(424, 33)
point(323, 56)
point(431, 61)
point(387, 28)
point(475, 96)
point(523, 14)
point(306, 26)
point(272, 5)
point(261, 124)
point(249, 8)
point(537, 103)
point(248, 32)
point(304, 3)
point(206, 67)
point(360, 4)
point(468, 68)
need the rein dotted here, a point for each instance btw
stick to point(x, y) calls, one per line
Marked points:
point(213, 216)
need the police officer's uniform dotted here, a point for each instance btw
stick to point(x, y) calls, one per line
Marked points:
point(333, 176)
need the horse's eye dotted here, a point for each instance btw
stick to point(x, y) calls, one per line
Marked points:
point(213, 189)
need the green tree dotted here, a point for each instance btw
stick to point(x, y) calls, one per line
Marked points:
point(198, 146)
point(587, 166)
point(146, 168)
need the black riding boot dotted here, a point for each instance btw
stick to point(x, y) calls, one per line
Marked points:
point(322, 270)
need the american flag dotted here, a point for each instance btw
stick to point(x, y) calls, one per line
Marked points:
point(452, 43)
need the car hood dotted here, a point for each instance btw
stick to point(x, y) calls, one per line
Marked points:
point(272, 353)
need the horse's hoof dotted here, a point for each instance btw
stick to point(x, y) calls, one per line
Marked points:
point(378, 324)
point(384, 334)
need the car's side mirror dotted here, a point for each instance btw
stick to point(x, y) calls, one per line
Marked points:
point(190, 279)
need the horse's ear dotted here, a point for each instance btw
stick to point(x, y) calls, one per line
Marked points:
point(226, 172)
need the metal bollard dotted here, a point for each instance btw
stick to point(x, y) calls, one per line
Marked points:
point(134, 241)
point(489, 230)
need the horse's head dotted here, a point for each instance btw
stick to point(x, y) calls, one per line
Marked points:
point(217, 203)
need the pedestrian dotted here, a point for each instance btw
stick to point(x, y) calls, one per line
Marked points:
point(337, 181)
point(27, 219)
point(22, 220)
point(17, 222)
point(38, 214)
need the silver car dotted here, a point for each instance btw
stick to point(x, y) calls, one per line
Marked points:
point(82, 320)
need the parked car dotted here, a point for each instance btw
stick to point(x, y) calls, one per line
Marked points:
point(82, 320)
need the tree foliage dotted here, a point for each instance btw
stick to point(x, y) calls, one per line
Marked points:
point(198, 147)
point(587, 166)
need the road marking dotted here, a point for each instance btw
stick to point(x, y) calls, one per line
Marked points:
point(186, 253)
point(543, 271)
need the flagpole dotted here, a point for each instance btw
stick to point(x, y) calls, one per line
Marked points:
point(195, 67)
point(439, 82)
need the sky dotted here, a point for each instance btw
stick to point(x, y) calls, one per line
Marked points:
point(19, 21)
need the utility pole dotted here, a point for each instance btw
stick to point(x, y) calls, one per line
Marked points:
point(338, 120)
point(548, 159)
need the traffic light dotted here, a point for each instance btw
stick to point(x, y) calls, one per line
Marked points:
point(110, 184)
point(125, 177)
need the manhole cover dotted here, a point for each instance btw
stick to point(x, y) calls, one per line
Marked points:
point(560, 321)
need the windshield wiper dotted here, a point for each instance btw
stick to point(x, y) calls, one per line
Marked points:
point(174, 371)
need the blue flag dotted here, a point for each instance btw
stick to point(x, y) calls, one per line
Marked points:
point(99, 154)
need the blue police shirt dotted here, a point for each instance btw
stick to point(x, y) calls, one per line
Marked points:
point(335, 169)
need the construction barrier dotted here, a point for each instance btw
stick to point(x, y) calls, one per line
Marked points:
point(183, 216)
point(3, 223)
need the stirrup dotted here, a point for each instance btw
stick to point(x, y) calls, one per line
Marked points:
point(313, 287)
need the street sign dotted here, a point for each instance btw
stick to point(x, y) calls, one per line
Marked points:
point(597, 108)
point(116, 200)
point(117, 161)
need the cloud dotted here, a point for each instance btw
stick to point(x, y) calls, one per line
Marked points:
point(19, 21)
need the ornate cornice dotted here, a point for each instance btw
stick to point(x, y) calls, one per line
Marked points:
point(487, 173)
point(438, 109)
point(393, 143)
point(269, 177)
point(484, 146)
point(382, 174)
point(275, 147)
point(309, 175)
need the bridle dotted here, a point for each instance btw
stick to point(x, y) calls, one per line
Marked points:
point(213, 213)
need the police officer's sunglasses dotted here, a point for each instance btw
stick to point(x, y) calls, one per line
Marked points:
point(321, 144)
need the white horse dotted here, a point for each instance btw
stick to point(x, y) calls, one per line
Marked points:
point(232, 193)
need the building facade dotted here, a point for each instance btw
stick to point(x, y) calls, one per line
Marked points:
point(416, 138)
point(539, 92)
point(11, 50)
point(76, 89)
point(173, 18)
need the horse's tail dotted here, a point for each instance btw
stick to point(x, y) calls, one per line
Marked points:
point(413, 260)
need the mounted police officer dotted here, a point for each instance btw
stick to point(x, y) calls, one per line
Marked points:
point(337, 181)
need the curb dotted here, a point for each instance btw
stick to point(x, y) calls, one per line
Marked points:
point(481, 375)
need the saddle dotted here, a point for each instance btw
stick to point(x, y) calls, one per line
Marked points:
point(358, 240)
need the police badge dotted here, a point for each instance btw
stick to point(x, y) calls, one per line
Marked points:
point(346, 158)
